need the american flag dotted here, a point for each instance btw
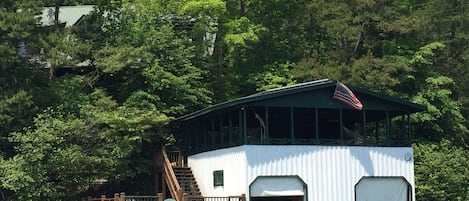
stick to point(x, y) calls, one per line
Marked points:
point(343, 94)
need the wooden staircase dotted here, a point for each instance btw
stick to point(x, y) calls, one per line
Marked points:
point(187, 181)
point(180, 181)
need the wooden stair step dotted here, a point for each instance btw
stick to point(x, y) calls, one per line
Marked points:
point(187, 182)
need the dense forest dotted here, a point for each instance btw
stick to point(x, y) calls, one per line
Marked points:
point(146, 62)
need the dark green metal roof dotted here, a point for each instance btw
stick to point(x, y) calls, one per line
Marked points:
point(293, 90)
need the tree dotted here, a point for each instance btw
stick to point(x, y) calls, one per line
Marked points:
point(443, 118)
point(450, 181)
point(152, 58)
point(22, 81)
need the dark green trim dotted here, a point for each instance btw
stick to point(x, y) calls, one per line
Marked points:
point(404, 106)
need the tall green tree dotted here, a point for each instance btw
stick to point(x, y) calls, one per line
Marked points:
point(450, 181)
point(21, 81)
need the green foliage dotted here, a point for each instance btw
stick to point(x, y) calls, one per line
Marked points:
point(196, 8)
point(154, 60)
point(443, 118)
point(63, 49)
point(441, 171)
point(379, 74)
point(241, 32)
point(52, 162)
point(14, 108)
point(275, 77)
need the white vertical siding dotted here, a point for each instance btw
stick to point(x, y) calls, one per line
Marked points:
point(233, 163)
point(330, 172)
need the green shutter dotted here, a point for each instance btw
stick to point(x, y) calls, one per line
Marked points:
point(218, 178)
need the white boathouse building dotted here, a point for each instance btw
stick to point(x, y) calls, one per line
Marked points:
point(299, 143)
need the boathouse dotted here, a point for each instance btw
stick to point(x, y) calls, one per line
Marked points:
point(314, 141)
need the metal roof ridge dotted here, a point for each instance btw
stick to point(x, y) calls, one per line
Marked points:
point(299, 85)
point(243, 100)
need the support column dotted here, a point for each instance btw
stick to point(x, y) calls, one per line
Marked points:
point(316, 134)
point(221, 131)
point(376, 133)
point(212, 133)
point(240, 126)
point(267, 136)
point(409, 130)
point(364, 126)
point(230, 127)
point(245, 127)
point(204, 133)
point(292, 125)
point(341, 124)
point(388, 132)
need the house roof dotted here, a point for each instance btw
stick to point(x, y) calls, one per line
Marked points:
point(325, 85)
point(69, 15)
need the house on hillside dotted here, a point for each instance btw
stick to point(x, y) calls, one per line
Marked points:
point(314, 141)
point(68, 15)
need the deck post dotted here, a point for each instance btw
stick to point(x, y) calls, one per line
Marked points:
point(122, 196)
point(159, 197)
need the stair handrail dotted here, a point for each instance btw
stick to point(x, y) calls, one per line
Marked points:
point(174, 188)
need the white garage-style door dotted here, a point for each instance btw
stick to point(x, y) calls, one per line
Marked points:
point(383, 189)
point(278, 188)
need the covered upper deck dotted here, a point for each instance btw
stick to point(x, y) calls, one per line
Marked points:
point(305, 113)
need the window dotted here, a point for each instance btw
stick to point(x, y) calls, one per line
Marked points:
point(218, 178)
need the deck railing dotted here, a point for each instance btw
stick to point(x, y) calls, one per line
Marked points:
point(159, 197)
point(229, 198)
point(123, 197)
point(175, 158)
